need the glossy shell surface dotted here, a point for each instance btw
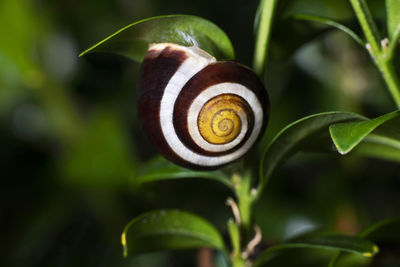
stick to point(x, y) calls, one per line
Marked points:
point(199, 113)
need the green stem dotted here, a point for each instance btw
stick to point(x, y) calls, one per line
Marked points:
point(236, 256)
point(239, 262)
point(234, 233)
point(367, 24)
point(390, 76)
point(382, 57)
point(265, 15)
point(245, 202)
point(393, 43)
point(240, 233)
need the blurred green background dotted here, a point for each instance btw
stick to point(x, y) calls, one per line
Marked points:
point(71, 145)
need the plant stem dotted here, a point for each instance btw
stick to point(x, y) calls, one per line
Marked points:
point(393, 44)
point(241, 231)
point(239, 262)
point(245, 202)
point(390, 76)
point(367, 24)
point(383, 57)
point(265, 15)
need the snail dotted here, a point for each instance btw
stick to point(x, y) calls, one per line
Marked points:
point(200, 113)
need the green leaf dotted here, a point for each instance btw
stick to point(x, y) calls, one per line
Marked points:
point(133, 40)
point(349, 134)
point(330, 242)
point(305, 134)
point(169, 230)
point(346, 130)
point(263, 25)
point(332, 23)
point(393, 17)
point(159, 169)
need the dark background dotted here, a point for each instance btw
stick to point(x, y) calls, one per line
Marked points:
point(70, 144)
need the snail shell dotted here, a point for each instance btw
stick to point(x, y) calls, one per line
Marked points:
point(200, 113)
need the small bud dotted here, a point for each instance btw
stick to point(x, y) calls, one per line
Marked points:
point(384, 43)
point(368, 46)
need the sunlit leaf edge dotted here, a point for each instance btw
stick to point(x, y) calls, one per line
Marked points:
point(229, 53)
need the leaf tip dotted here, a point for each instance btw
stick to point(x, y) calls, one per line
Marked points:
point(342, 151)
point(123, 242)
point(82, 54)
point(123, 239)
point(367, 254)
point(375, 250)
point(91, 49)
point(87, 51)
point(339, 147)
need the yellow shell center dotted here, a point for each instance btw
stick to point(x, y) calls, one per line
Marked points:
point(219, 119)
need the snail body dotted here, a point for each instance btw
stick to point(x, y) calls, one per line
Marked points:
point(200, 113)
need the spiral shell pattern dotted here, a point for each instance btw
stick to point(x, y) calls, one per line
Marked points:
point(198, 112)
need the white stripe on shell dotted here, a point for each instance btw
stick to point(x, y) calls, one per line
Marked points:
point(203, 98)
point(198, 59)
